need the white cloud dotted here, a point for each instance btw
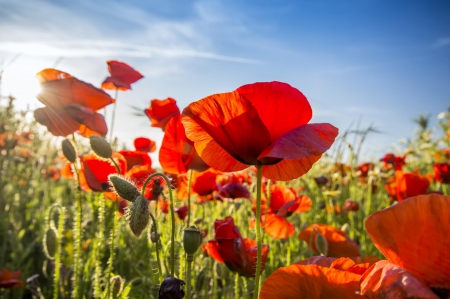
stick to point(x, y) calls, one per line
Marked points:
point(441, 42)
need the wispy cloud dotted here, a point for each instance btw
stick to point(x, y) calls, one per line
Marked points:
point(441, 42)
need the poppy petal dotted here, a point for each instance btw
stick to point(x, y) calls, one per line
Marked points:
point(136, 158)
point(222, 117)
point(122, 76)
point(161, 111)
point(143, 144)
point(386, 280)
point(58, 122)
point(278, 227)
point(92, 120)
point(274, 100)
point(422, 251)
point(289, 169)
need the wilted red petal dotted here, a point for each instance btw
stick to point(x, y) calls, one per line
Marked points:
point(385, 280)
point(143, 144)
point(278, 227)
point(161, 111)
point(419, 243)
point(136, 158)
point(122, 76)
point(60, 89)
point(338, 244)
point(276, 100)
point(232, 122)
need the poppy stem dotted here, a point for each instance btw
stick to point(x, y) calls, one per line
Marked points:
point(58, 247)
point(188, 277)
point(115, 209)
point(189, 198)
point(116, 165)
point(113, 116)
point(258, 230)
point(172, 212)
point(155, 231)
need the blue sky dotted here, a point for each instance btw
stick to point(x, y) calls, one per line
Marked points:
point(384, 62)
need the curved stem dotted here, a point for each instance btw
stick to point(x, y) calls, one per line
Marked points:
point(155, 225)
point(113, 116)
point(172, 212)
point(258, 231)
point(189, 198)
point(115, 164)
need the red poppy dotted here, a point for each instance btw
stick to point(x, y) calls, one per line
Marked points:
point(95, 171)
point(442, 172)
point(396, 161)
point(260, 123)
point(177, 153)
point(418, 263)
point(351, 205)
point(139, 174)
point(122, 76)
point(143, 144)
point(233, 191)
point(410, 184)
point(10, 279)
point(316, 277)
point(204, 184)
point(182, 212)
point(238, 254)
point(136, 158)
point(339, 245)
point(161, 111)
point(364, 168)
point(70, 105)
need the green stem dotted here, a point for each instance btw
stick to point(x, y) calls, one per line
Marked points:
point(77, 240)
point(189, 198)
point(113, 116)
point(98, 250)
point(58, 251)
point(155, 226)
point(258, 231)
point(111, 246)
point(188, 276)
point(172, 212)
point(115, 164)
point(236, 285)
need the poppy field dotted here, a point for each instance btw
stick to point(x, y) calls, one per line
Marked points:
point(248, 199)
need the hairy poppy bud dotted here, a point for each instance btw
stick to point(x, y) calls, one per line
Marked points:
point(171, 288)
point(117, 285)
point(50, 243)
point(200, 281)
point(345, 228)
point(137, 214)
point(321, 243)
point(192, 239)
point(136, 281)
point(124, 188)
point(101, 147)
point(69, 150)
point(154, 237)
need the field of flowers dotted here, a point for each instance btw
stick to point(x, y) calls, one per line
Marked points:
point(244, 205)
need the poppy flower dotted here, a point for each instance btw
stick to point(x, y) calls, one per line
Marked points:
point(233, 191)
point(204, 184)
point(258, 124)
point(10, 279)
point(71, 105)
point(339, 245)
point(122, 76)
point(161, 111)
point(321, 181)
point(364, 168)
point(442, 172)
point(177, 153)
point(396, 161)
point(136, 158)
point(95, 171)
point(316, 277)
point(182, 212)
point(237, 253)
point(143, 144)
point(139, 174)
point(351, 205)
point(418, 263)
point(410, 184)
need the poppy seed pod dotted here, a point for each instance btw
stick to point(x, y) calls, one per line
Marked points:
point(69, 150)
point(137, 214)
point(101, 147)
point(192, 239)
point(321, 243)
point(124, 188)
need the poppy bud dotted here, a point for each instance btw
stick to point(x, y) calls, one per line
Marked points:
point(321, 243)
point(136, 281)
point(192, 239)
point(50, 243)
point(137, 214)
point(117, 285)
point(69, 150)
point(124, 188)
point(200, 281)
point(197, 221)
point(101, 147)
point(219, 270)
point(345, 228)
point(154, 237)
point(171, 288)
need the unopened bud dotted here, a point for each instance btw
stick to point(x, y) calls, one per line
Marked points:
point(136, 281)
point(200, 281)
point(124, 188)
point(101, 147)
point(192, 239)
point(197, 221)
point(321, 243)
point(345, 228)
point(50, 243)
point(117, 285)
point(69, 150)
point(154, 237)
point(137, 214)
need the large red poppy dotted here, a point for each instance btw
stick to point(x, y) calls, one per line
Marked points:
point(260, 123)
point(10, 279)
point(161, 111)
point(122, 76)
point(238, 254)
point(177, 153)
point(71, 105)
point(316, 277)
point(413, 236)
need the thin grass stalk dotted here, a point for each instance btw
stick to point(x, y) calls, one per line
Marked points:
point(113, 116)
point(236, 285)
point(98, 251)
point(258, 231)
point(77, 233)
point(155, 226)
point(57, 275)
point(111, 245)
